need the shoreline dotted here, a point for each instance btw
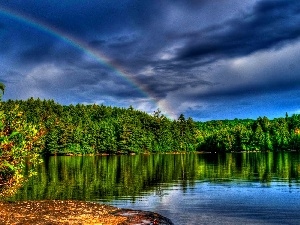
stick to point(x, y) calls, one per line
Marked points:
point(74, 212)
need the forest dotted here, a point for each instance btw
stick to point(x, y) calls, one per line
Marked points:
point(98, 129)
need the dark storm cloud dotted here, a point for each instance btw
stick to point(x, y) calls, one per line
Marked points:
point(249, 90)
point(160, 86)
point(97, 81)
point(268, 25)
point(120, 48)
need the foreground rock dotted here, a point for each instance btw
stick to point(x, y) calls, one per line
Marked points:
point(74, 212)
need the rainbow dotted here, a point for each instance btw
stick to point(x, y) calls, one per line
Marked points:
point(87, 49)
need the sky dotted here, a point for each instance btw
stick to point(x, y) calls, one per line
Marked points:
point(208, 60)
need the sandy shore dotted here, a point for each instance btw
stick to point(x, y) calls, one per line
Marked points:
point(74, 212)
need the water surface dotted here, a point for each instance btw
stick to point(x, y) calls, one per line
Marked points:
point(233, 188)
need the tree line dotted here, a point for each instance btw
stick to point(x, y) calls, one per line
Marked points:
point(99, 129)
point(261, 134)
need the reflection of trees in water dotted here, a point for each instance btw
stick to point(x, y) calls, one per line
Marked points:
point(261, 167)
point(111, 177)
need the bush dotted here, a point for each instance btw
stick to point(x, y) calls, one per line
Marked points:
point(19, 144)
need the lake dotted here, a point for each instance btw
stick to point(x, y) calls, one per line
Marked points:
point(232, 188)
